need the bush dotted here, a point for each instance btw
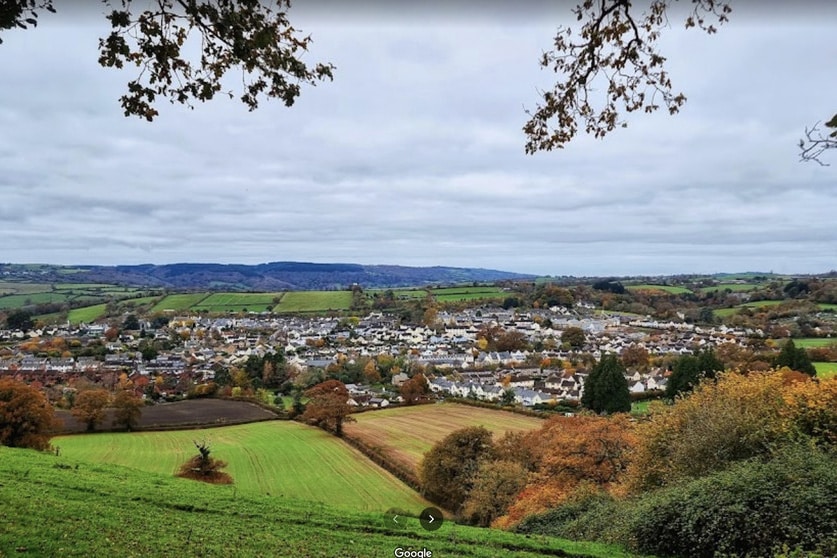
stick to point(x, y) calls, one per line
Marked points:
point(753, 509)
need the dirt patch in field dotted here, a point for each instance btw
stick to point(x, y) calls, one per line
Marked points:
point(192, 413)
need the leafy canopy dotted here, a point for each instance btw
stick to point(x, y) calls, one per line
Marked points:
point(252, 36)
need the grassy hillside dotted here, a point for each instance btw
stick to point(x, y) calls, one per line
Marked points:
point(281, 458)
point(408, 432)
point(59, 506)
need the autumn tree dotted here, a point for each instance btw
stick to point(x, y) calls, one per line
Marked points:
point(573, 337)
point(205, 468)
point(370, 372)
point(251, 36)
point(611, 65)
point(449, 469)
point(328, 406)
point(495, 486)
point(635, 357)
point(414, 389)
point(89, 407)
point(606, 388)
point(733, 418)
point(127, 409)
point(26, 417)
point(571, 452)
point(795, 359)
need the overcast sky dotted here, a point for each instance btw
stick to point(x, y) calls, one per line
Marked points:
point(414, 154)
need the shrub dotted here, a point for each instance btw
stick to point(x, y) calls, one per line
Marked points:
point(752, 509)
point(204, 468)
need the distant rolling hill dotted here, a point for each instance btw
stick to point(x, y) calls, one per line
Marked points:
point(273, 276)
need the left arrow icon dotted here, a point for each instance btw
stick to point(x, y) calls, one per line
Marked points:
point(395, 519)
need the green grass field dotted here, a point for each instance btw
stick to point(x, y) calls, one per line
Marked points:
point(666, 288)
point(408, 432)
point(826, 369)
point(21, 300)
point(86, 314)
point(809, 342)
point(237, 302)
point(13, 287)
point(179, 301)
point(734, 287)
point(281, 458)
point(314, 301)
point(61, 506)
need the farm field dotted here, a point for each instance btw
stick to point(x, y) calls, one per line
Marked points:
point(183, 414)
point(666, 288)
point(809, 342)
point(408, 432)
point(88, 506)
point(314, 301)
point(86, 314)
point(179, 301)
point(280, 458)
point(237, 302)
point(826, 369)
point(734, 287)
point(454, 294)
point(13, 287)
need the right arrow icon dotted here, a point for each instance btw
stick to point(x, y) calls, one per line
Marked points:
point(431, 518)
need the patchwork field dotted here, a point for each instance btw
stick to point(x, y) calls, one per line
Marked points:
point(59, 506)
point(408, 432)
point(283, 459)
point(314, 301)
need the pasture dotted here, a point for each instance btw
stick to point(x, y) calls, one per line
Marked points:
point(283, 459)
point(86, 314)
point(826, 369)
point(182, 301)
point(664, 288)
point(237, 302)
point(314, 301)
point(811, 342)
point(456, 294)
point(408, 432)
point(732, 287)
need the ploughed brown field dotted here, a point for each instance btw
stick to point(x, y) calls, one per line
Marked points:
point(406, 433)
point(183, 414)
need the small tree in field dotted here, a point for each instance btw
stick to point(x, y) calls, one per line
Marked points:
point(89, 407)
point(127, 409)
point(204, 468)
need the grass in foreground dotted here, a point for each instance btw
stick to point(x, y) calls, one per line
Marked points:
point(408, 432)
point(280, 458)
point(58, 506)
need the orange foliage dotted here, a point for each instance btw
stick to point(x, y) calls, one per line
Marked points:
point(26, 417)
point(574, 451)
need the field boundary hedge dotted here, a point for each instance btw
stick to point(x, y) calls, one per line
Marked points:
point(487, 405)
point(379, 456)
